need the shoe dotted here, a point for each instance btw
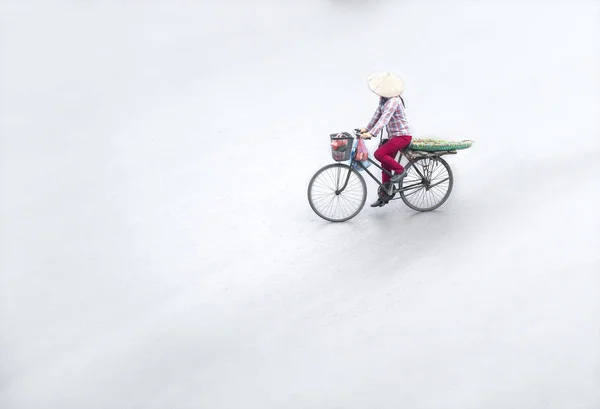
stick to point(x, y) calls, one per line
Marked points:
point(396, 178)
point(379, 203)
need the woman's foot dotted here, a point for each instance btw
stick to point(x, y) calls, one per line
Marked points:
point(379, 203)
point(396, 178)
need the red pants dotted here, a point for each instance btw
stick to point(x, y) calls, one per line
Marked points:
point(386, 154)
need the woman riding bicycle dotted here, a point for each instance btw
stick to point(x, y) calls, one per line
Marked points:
point(389, 113)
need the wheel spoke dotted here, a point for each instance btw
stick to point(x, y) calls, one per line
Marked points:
point(415, 191)
point(347, 203)
point(439, 180)
point(412, 187)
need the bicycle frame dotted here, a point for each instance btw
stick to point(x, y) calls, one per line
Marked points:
point(391, 190)
point(412, 156)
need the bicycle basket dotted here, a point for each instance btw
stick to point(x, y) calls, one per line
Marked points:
point(341, 146)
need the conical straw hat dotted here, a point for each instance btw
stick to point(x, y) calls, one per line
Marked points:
point(386, 84)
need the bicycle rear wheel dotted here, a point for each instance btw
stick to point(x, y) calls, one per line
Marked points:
point(328, 201)
point(430, 186)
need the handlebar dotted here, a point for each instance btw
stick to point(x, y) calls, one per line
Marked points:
point(357, 133)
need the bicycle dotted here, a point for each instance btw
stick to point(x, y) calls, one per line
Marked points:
point(428, 178)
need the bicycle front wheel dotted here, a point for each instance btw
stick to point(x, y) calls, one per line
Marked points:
point(329, 200)
point(427, 184)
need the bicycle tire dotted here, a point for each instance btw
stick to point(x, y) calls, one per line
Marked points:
point(355, 180)
point(410, 172)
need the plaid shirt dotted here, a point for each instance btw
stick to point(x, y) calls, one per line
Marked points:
point(393, 115)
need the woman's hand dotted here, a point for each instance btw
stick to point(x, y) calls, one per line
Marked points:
point(363, 130)
point(366, 135)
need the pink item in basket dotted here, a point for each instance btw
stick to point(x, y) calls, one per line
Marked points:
point(338, 145)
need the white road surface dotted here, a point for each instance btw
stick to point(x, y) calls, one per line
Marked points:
point(158, 250)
